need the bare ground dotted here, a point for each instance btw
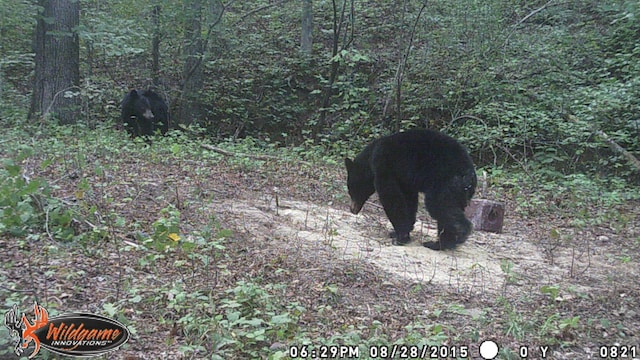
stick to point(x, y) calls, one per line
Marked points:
point(290, 227)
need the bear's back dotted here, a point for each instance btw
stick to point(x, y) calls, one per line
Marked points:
point(420, 158)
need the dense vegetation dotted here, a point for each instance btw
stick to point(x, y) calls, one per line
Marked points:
point(544, 94)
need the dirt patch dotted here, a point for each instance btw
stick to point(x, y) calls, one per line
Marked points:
point(481, 265)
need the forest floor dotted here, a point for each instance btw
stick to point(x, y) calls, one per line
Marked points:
point(539, 283)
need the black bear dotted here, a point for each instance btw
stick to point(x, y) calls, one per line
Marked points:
point(400, 166)
point(143, 112)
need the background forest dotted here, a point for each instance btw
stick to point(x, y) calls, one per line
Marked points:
point(545, 95)
point(530, 84)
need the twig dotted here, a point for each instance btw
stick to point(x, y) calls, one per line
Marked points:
point(17, 290)
point(469, 117)
point(259, 157)
point(533, 13)
point(48, 110)
point(257, 10)
point(525, 19)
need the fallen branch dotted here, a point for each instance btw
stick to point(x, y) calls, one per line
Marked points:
point(633, 161)
point(616, 147)
point(252, 156)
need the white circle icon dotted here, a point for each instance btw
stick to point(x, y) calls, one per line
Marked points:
point(488, 350)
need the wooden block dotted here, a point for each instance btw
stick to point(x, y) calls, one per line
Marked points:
point(486, 215)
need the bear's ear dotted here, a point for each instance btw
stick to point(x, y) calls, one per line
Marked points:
point(348, 162)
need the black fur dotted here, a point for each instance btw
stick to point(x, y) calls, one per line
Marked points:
point(400, 166)
point(144, 111)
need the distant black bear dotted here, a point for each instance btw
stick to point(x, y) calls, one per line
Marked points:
point(143, 112)
point(400, 166)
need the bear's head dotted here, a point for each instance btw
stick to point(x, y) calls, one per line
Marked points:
point(359, 183)
point(142, 106)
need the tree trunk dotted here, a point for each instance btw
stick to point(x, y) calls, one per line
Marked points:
point(306, 38)
point(335, 65)
point(189, 108)
point(155, 46)
point(57, 59)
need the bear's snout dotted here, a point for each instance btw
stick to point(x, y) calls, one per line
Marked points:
point(355, 207)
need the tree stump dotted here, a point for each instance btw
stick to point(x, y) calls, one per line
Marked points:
point(486, 215)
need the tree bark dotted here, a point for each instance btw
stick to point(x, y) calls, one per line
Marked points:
point(57, 59)
point(306, 37)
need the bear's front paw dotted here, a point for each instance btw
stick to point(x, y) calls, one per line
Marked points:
point(433, 245)
point(401, 239)
point(439, 245)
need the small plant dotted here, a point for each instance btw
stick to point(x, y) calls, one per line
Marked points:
point(166, 229)
point(552, 291)
point(510, 275)
point(561, 330)
point(247, 321)
point(569, 324)
point(27, 207)
point(21, 200)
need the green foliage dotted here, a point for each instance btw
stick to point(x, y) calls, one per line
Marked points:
point(510, 275)
point(249, 320)
point(166, 229)
point(27, 207)
point(254, 319)
point(19, 208)
point(552, 291)
point(14, 27)
point(549, 329)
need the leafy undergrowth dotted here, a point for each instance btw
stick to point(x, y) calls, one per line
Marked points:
point(102, 224)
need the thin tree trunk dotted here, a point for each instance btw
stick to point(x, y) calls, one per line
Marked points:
point(189, 107)
point(335, 65)
point(189, 103)
point(306, 38)
point(403, 57)
point(155, 45)
point(57, 59)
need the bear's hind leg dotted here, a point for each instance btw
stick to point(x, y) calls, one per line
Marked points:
point(453, 226)
point(453, 229)
point(400, 207)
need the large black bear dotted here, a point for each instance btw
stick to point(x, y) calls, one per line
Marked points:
point(400, 166)
point(143, 112)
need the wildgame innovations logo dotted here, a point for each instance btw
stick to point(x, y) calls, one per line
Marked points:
point(76, 334)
